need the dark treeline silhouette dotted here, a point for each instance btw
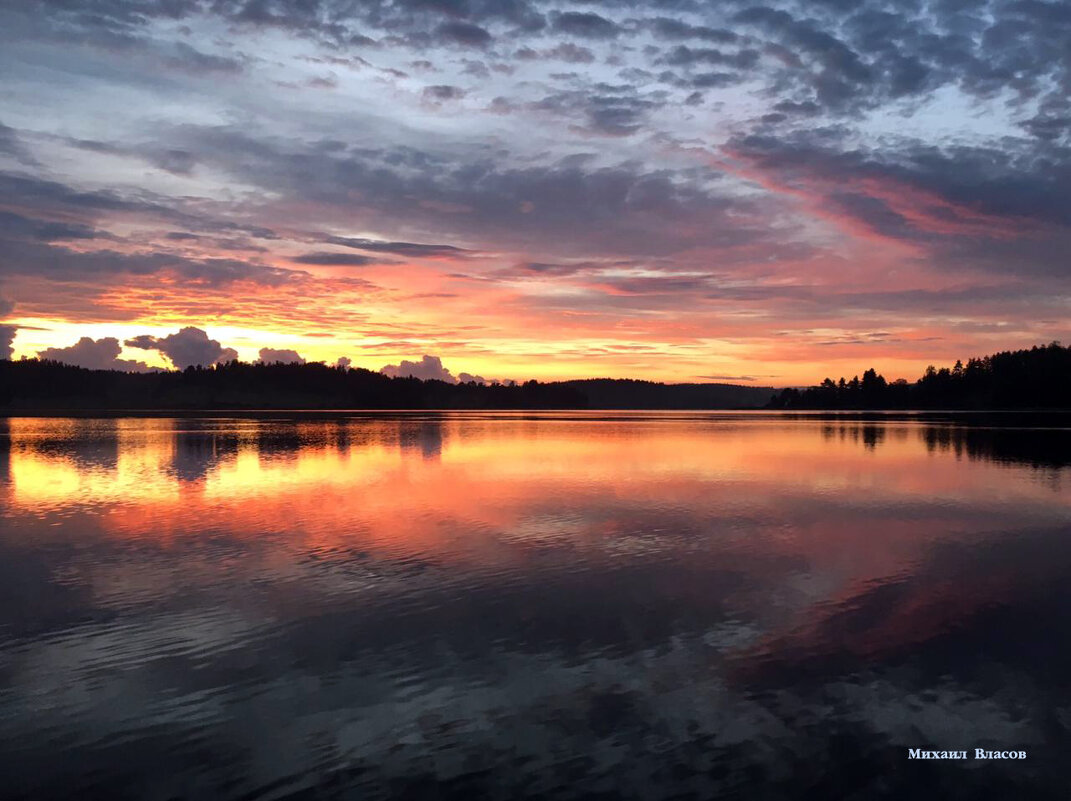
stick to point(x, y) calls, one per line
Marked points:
point(42, 385)
point(1039, 378)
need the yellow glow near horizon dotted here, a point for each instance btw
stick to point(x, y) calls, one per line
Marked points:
point(523, 355)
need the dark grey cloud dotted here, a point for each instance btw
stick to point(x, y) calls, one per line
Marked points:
point(7, 337)
point(11, 144)
point(184, 57)
point(463, 33)
point(607, 110)
point(409, 249)
point(46, 220)
point(9, 140)
point(669, 28)
point(714, 80)
point(584, 24)
point(37, 198)
point(188, 347)
point(336, 259)
point(570, 53)
point(64, 264)
point(682, 55)
point(99, 354)
point(519, 14)
point(16, 226)
point(41, 194)
point(443, 93)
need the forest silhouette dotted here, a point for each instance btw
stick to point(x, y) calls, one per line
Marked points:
point(1039, 378)
point(43, 385)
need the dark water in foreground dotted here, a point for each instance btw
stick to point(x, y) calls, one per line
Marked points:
point(533, 605)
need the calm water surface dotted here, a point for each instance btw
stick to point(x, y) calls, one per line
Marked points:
point(533, 605)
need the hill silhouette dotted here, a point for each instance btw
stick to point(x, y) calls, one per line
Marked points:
point(44, 385)
point(1039, 378)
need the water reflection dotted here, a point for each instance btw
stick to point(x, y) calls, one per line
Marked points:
point(531, 605)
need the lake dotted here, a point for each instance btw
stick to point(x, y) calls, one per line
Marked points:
point(534, 605)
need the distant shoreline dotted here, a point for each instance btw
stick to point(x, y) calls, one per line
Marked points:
point(877, 414)
point(1038, 379)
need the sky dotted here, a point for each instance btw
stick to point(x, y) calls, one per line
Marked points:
point(679, 191)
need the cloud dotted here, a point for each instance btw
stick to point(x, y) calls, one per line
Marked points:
point(463, 33)
point(443, 93)
point(410, 249)
point(11, 145)
point(569, 53)
point(1000, 209)
point(429, 368)
point(735, 377)
point(668, 28)
point(325, 259)
point(188, 347)
point(585, 25)
point(95, 354)
point(19, 227)
point(565, 206)
point(344, 362)
point(284, 356)
point(52, 230)
point(7, 337)
point(465, 378)
point(63, 263)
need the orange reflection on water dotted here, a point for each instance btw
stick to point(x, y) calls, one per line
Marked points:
point(395, 481)
point(452, 464)
point(820, 511)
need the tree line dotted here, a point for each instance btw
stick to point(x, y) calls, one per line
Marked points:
point(1039, 378)
point(43, 385)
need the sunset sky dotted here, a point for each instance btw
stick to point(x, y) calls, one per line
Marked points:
point(673, 190)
